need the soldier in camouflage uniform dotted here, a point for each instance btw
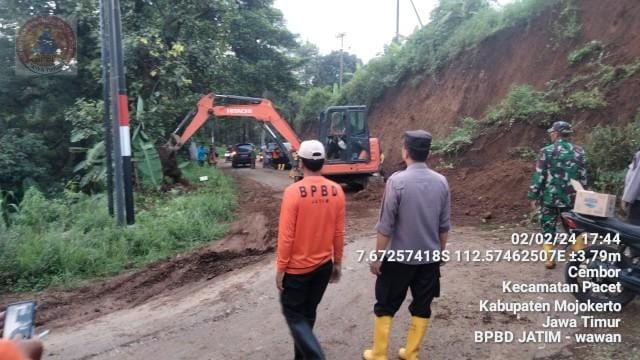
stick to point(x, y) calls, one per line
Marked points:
point(550, 189)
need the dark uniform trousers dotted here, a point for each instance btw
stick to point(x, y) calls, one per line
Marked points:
point(394, 281)
point(300, 298)
point(549, 218)
point(633, 217)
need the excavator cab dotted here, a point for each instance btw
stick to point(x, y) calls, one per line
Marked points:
point(344, 133)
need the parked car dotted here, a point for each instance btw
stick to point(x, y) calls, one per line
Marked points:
point(243, 154)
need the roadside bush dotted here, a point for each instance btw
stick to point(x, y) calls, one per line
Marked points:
point(609, 151)
point(524, 103)
point(22, 161)
point(61, 241)
point(591, 48)
point(458, 140)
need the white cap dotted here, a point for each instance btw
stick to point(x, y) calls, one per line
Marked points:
point(311, 150)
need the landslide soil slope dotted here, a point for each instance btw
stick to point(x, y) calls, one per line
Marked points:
point(488, 179)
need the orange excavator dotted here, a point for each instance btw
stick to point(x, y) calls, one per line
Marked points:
point(352, 156)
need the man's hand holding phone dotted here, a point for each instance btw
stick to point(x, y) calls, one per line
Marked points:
point(32, 348)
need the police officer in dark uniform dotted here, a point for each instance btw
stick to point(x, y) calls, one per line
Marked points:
point(412, 231)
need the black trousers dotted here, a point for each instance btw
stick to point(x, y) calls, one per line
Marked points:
point(394, 281)
point(633, 216)
point(300, 298)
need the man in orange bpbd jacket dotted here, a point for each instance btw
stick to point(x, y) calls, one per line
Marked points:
point(310, 246)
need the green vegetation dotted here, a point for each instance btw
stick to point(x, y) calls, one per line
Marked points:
point(6, 207)
point(524, 103)
point(592, 48)
point(609, 150)
point(312, 103)
point(587, 100)
point(173, 54)
point(525, 153)
point(455, 26)
point(568, 24)
point(69, 238)
point(629, 70)
point(459, 139)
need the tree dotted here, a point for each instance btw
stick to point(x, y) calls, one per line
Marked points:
point(175, 51)
point(314, 101)
point(21, 161)
point(449, 14)
point(328, 68)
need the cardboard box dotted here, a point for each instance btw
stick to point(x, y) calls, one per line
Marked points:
point(593, 203)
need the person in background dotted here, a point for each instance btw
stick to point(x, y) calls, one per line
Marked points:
point(213, 156)
point(276, 158)
point(254, 156)
point(310, 246)
point(381, 171)
point(414, 225)
point(202, 155)
point(631, 198)
point(550, 189)
point(19, 349)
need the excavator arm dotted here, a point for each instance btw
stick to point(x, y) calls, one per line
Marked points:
point(261, 110)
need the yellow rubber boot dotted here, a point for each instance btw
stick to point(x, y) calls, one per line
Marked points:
point(549, 263)
point(580, 243)
point(381, 328)
point(417, 330)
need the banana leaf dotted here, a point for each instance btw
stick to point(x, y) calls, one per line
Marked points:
point(146, 160)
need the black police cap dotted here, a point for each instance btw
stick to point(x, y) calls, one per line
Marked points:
point(417, 139)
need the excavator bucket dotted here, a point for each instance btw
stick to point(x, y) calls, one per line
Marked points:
point(169, 160)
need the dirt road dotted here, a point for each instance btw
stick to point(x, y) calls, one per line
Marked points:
point(237, 316)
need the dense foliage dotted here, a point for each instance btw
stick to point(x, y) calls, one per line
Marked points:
point(72, 237)
point(455, 26)
point(174, 52)
point(609, 151)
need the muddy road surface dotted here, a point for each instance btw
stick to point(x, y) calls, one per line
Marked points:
point(235, 313)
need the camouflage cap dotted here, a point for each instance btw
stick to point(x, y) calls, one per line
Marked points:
point(417, 139)
point(561, 127)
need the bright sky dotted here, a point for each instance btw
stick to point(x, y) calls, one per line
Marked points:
point(368, 24)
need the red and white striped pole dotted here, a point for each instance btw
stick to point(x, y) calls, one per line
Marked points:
point(119, 95)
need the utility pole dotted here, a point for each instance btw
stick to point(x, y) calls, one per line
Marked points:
point(106, 117)
point(119, 108)
point(107, 49)
point(341, 36)
point(397, 38)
